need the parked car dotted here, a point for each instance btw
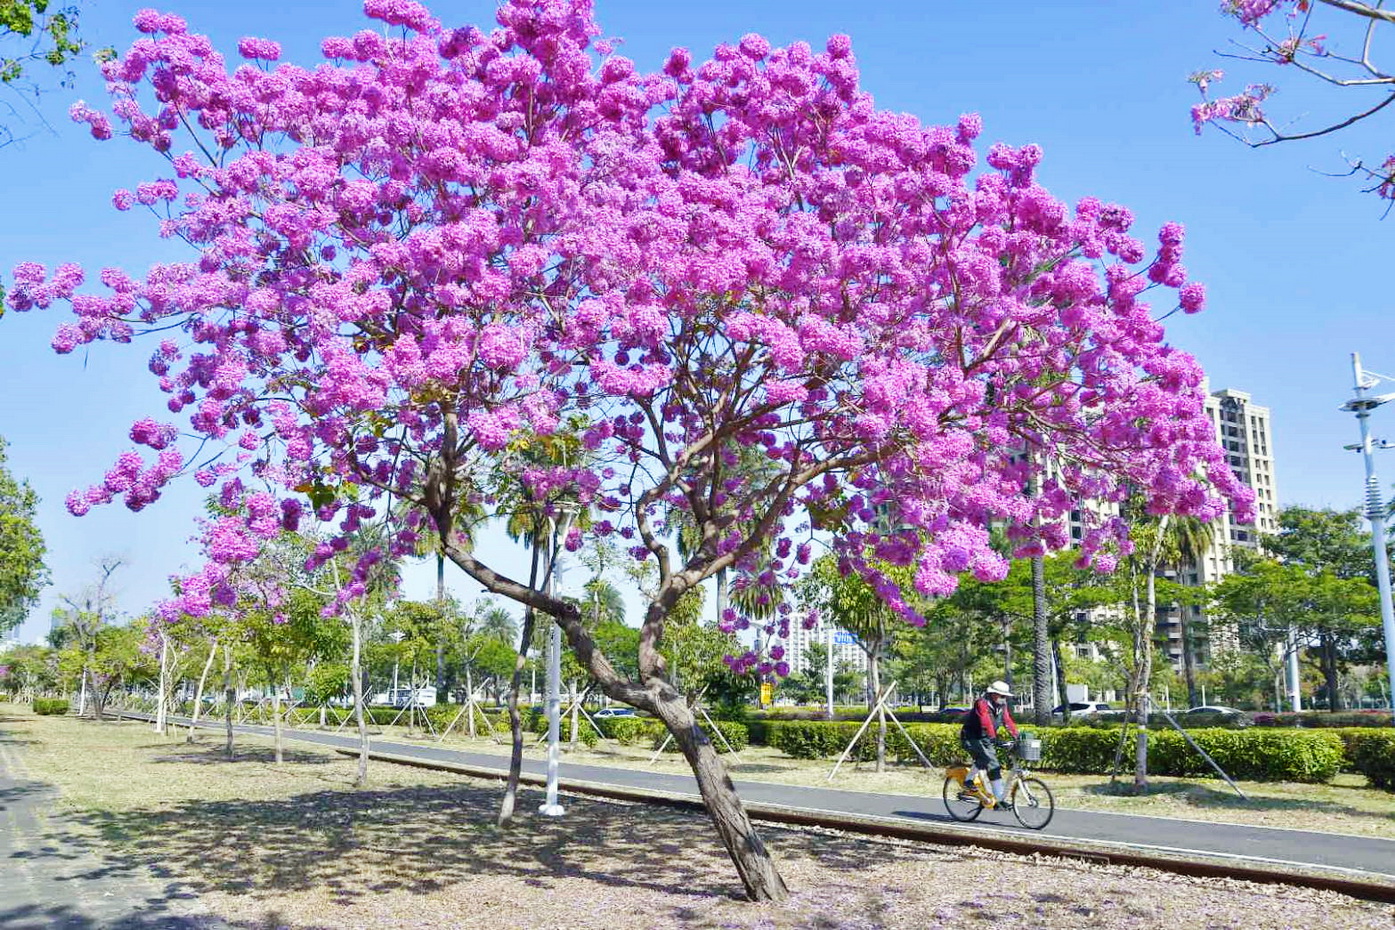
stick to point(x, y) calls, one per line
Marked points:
point(1216, 714)
point(614, 712)
point(1086, 709)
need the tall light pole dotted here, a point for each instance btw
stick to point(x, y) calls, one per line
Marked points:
point(551, 807)
point(1362, 404)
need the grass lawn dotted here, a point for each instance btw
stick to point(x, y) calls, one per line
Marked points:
point(1347, 805)
point(296, 846)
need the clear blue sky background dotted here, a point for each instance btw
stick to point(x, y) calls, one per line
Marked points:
point(1293, 260)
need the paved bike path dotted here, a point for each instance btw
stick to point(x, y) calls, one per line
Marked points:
point(55, 877)
point(1328, 850)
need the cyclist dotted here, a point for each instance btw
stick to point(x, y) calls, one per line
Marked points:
point(979, 732)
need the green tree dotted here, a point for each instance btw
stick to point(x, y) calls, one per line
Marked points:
point(22, 571)
point(35, 35)
point(1332, 550)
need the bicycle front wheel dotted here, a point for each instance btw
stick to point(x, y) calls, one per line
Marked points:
point(1032, 803)
point(963, 811)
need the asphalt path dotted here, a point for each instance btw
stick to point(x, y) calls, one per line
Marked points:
point(1295, 847)
point(56, 876)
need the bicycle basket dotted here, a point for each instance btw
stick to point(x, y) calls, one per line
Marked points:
point(1029, 749)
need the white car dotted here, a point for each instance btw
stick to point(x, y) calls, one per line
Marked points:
point(614, 712)
point(1084, 709)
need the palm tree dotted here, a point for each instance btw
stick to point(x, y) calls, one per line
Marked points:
point(1187, 540)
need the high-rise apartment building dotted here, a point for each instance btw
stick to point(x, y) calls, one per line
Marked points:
point(846, 651)
point(1243, 430)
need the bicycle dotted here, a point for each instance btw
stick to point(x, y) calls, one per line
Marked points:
point(1028, 797)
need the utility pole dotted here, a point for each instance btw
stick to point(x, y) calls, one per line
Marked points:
point(1362, 404)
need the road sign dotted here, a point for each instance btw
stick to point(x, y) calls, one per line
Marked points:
point(844, 638)
point(767, 692)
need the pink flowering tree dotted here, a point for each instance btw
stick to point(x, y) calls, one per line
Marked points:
point(442, 241)
point(1290, 35)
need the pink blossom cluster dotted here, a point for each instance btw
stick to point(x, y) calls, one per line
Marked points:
point(759, 305)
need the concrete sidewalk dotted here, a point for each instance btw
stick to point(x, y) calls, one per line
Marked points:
point(1327, 851)
point(55, 877)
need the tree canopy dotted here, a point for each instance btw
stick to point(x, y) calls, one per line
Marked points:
point(23, 574)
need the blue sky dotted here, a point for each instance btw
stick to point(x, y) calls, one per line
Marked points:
point(1293, 260)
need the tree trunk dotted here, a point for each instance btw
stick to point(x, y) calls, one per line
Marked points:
point(470, 702)
point(1144, 645)
point(96, 692)
point(198, 693)
point(356, 672)
point(228, 696)
point(748, 853)
point(575, 715)
point(1060, 682)
point(1188, 656)
point(1041, 645)
point(1330, 673)
point(525, 639)
point(874, 674)
point(160, 706)
point(276, 721)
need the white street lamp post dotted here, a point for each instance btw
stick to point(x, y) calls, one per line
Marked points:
point(1362, 405)
point(828, 669)
point(551, 807)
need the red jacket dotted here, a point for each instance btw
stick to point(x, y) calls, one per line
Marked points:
point(985, 718)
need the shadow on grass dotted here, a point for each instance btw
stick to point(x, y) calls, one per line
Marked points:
point(352, 845)
point(1223, 796)
point(197, 754)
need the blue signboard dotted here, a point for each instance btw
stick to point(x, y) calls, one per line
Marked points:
point(843, 638)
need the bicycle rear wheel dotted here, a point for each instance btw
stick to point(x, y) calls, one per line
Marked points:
point(1032, 803)
point(963, 811)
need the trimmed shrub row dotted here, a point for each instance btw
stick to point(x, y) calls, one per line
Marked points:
point(1257, 755)
point(1323, 719)
point(50, 706)
point(1372, 753)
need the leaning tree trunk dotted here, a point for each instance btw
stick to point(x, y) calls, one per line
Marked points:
point(1041, 645)
point(1060, 681)
point(748, 853)
point(228, 696)
point(198, 693)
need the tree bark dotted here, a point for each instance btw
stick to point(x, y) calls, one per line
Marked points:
point(228, 696)
point(276, 721)
point(748, 853)
point(198, 693)
point(1041, 645)
point(160, 707)
point(1188, 655)
point(356, 672)
point(1330, 673)
point(874, 673)
point(525, 639)
point(1060, 682)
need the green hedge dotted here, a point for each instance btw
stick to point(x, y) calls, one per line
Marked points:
point(1372, 753)
point(1252, 754)
point(50, 706)
point(1324, 719)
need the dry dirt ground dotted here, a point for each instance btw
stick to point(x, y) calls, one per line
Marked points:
point(296, 846)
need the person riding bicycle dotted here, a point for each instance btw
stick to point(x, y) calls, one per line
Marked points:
point(979, 735)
